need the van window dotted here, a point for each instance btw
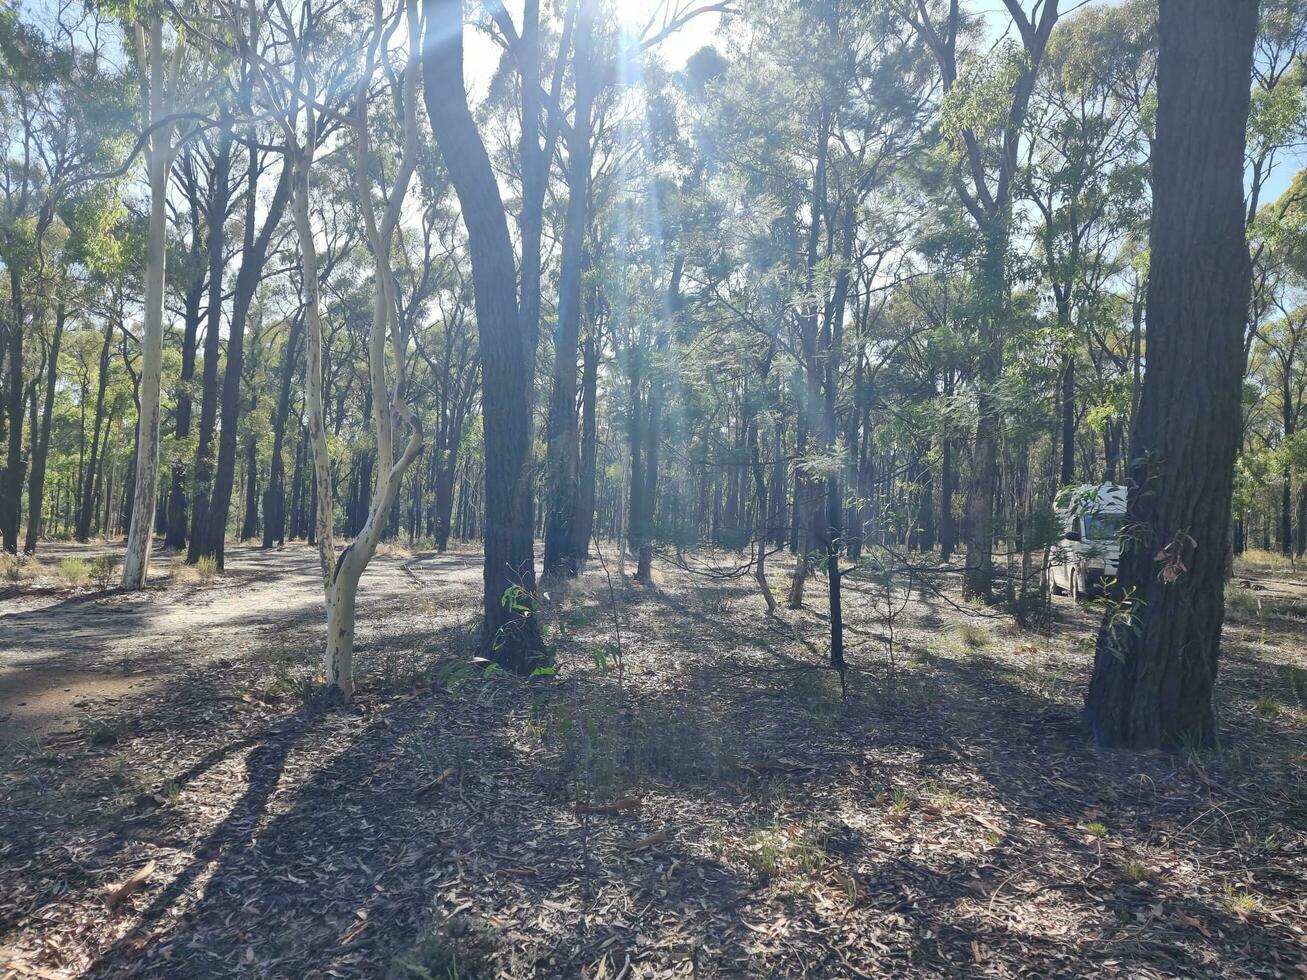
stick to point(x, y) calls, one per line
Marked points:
point(1103, 527)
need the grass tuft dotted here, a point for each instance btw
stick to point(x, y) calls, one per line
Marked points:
point(74, 572)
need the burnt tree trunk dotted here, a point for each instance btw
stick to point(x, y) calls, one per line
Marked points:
point(175, 537)
point(274, 497)
point(254, 255)
point(561, 556)
point(41, 447)
point(1153, 677)
point(202, 483)
point(589, 440)
point(87, 511)
point(511, 630)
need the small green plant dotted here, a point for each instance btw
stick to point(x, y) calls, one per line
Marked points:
point(1136, 872)
point(972, 637)
point(1266, 708)
point(787, 852)
point(1240, 903)
point(103, 731)
point(207, 569)
point(900, 801)
point(456, 950)
point(104, 570)
point(13, 568)
point(1096, 829)
point(287, 684)
point(74, 572)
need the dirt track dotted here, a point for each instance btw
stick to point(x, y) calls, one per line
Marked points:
point(66, 654)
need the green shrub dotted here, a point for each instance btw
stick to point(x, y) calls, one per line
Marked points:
point(207, 568)
point(14, 568)
point(104, 570)
point(74, 572)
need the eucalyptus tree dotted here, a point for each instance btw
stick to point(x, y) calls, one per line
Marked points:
point(981, 115)
point(62, 105)
point(511, 629)
point(172, 73)
point(1156, 661)
point(1086, 174)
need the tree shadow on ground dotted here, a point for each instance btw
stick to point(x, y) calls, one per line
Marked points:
point(935, 829)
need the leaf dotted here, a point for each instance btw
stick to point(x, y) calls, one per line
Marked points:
point(651, 841)
point(438, 781)
point(1193, 923)
point(623, 805)
point(131, 886)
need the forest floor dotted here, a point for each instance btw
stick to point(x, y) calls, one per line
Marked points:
point(696, 798)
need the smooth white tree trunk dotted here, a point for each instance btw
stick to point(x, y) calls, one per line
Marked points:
point(136, 563)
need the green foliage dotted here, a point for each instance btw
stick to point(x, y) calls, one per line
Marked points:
point(74, 572)
point(104, 570)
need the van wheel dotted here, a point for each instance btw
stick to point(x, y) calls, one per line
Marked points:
point(1075, 586)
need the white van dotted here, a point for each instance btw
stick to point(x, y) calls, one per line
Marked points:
point(1086, 557)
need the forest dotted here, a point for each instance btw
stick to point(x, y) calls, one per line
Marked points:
point(653, 488)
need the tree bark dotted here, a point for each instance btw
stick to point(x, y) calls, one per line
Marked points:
point(177, 493)
point(11, 487)
point(561, 556)
point(254, 256)
point(274, 497)
point(1154, 676)
point(87, 510)
point(41, 452)
point(202, 483)
point(511, 630)
point(136, 562)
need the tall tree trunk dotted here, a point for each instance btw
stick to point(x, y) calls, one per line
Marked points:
point(978, 577)
point(177, 492)
point(274, 497)
point(202, 484)
point(561, 557)
point(41, 451)
point(1153, 677)
point(589, 440)
point(250, 525)
point(511, 630)
point(87, 497)
point(11, 486)
point(1068, 419)
point(136, 562)
point(254, 256)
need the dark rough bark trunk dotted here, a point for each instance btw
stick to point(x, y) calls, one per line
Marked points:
point(561, 556)
point(1068, 420)
point(978, 577)
point(11, 486)
point(1153, 679)
point(1286, 487)
point(274, 497)
point(87, 511)
point(1300, 542)
point(250, 525)
point(175, 537)
point(202, 483)
point(297, 489)
point(644, 495)
point(511, 630)
point(254, 256)
point(948, 534)
point(589, 441)
point(41, 450)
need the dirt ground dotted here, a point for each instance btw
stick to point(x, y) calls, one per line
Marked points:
point(690, 795)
